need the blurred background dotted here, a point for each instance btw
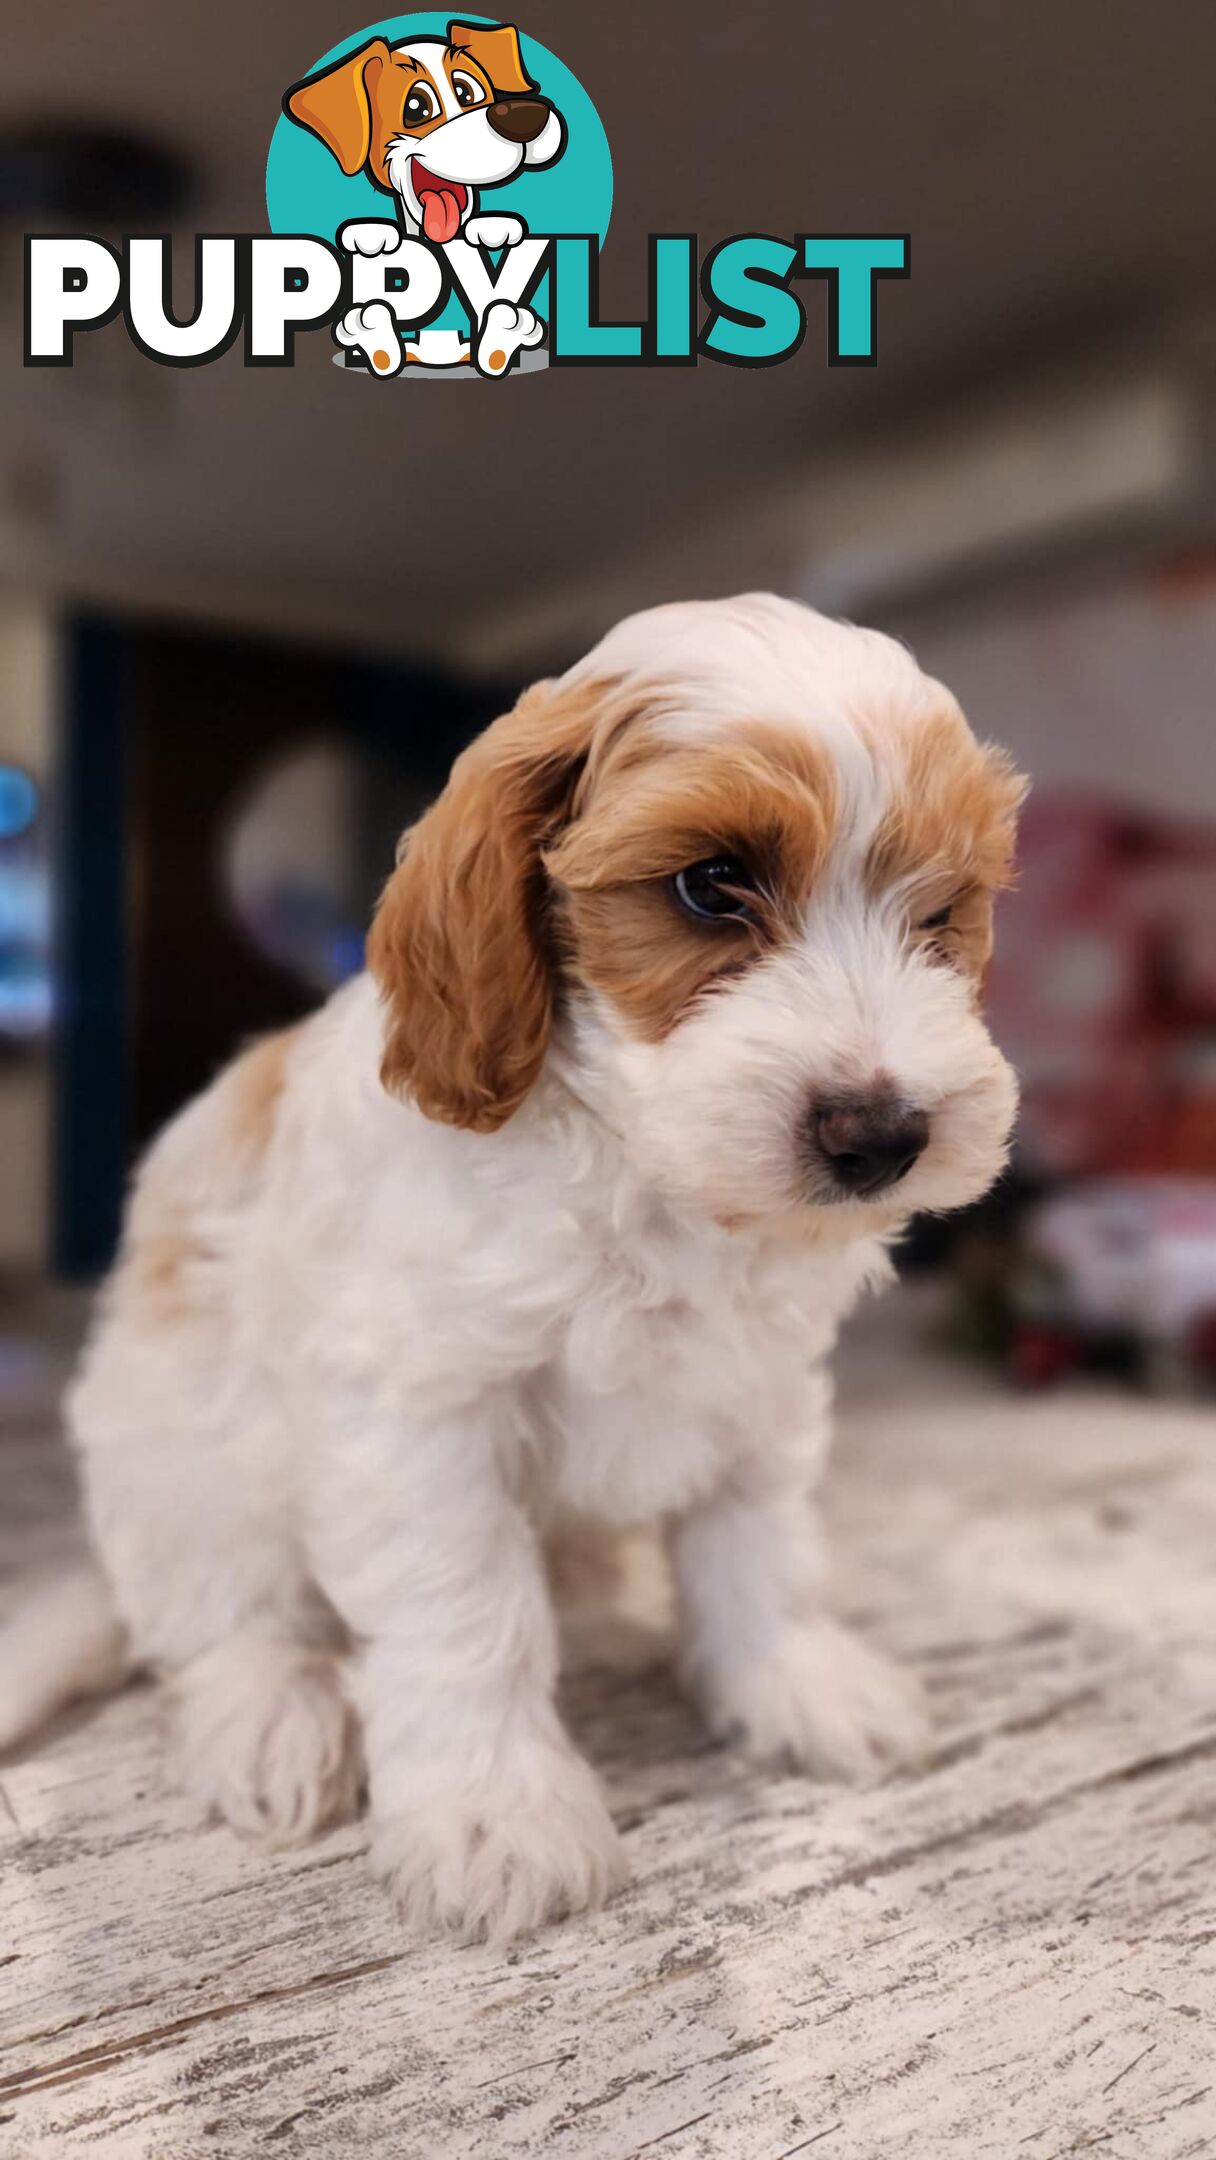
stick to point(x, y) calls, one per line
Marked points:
point(247, 616)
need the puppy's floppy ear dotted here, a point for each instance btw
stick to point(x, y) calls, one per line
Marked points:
point(336, 105)
point(497, 51)
point(461, 944)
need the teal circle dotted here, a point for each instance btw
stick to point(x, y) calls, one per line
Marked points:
point(307, 191)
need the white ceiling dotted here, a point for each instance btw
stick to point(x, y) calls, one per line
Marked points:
point(1052, 159)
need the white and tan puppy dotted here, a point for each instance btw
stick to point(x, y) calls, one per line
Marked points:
point(672, 1020)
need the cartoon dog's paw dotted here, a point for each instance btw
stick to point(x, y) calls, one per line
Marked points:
point(505, 330)
point(495, 230)
point(372, 330)
point(370, 236)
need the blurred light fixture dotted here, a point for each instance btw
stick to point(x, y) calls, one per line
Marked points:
point(59, 168)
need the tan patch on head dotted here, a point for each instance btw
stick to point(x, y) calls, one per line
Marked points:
point(462, 944)
point(494, 51)
point(765, 795)
point(548, 861)
point(948, 837)
point(369, 99)
point(358, 106)
point(343, 105)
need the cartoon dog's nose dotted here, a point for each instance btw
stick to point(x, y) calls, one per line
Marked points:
point(518, 120)
point(869, 1146)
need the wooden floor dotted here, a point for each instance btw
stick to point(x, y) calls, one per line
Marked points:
point(1013, 1954)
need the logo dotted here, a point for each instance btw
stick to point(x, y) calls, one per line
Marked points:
point(438, 192)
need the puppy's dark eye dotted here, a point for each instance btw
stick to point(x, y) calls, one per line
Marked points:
point(420, 105)
point(939, 920)
point(715, 890)
point(467, 91)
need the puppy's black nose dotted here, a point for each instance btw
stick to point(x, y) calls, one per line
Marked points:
point(869, 1146)
point(518, 120)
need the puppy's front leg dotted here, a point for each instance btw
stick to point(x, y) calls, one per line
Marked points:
point(771, 1668)
point(485, 1819)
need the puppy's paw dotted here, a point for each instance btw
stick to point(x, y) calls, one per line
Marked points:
point(269, 1741)
point(491, 1864)
point(369, 236)
point(372, 330)
point(495, 231)
point(822, 1702)
point(505, 330)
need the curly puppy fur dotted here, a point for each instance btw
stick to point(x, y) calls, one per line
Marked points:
point(536, 1224)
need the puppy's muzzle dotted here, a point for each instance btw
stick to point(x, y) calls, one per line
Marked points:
point(519, 120)
point(868, 1145)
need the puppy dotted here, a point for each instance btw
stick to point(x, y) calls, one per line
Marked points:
point(672, 1020)
point(430, 121)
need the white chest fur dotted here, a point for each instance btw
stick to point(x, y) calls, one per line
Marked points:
point(689, 1350)
point(634, 1351)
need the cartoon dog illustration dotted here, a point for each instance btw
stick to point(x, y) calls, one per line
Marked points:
point(431, 122)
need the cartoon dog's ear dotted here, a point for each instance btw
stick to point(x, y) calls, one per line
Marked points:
point(462, 943)
point(497, 51)
point(337, 105)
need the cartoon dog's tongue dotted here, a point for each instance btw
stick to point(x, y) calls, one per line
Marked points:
point(440, 214)
point(441, 202)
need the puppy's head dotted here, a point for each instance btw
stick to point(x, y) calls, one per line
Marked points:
point(749, 857)
point(432, 120)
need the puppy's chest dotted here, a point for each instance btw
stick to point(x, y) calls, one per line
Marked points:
point(675, 1363)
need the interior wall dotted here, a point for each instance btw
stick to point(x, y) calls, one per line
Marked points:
point(1103, 686)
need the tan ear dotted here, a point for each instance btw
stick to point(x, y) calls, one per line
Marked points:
point(497, 51)
point(462, 942)
point(337, 105)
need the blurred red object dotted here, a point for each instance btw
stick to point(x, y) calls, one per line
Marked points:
point(1040, 1354)
point(1103, 991)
